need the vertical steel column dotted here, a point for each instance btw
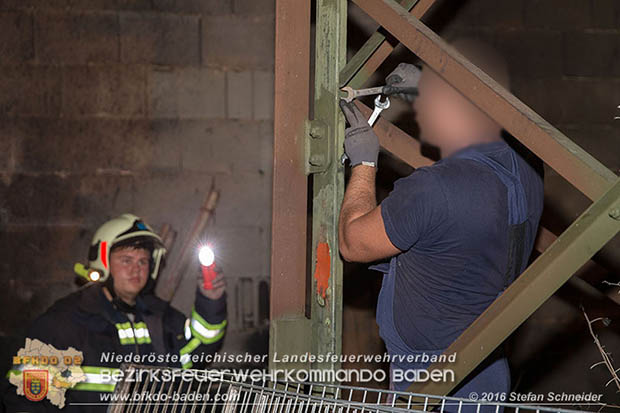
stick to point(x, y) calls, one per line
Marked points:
point(328, 184)
point(289, 328)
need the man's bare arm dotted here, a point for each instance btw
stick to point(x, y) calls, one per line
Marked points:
point(361, 231)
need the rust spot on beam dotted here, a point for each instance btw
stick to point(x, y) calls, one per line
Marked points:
point(322, 271)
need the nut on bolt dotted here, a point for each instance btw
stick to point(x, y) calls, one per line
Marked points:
point(317, 160)
point(317, 129)
point(315, 132)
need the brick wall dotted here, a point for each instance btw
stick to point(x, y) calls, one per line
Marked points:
point(113, 106)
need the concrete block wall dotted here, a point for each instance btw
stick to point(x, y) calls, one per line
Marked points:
point(113, 106)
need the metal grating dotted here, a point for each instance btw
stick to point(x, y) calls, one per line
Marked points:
point(221, 391)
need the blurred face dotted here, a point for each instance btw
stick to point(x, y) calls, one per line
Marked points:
point(446, 118)
point(129, 267)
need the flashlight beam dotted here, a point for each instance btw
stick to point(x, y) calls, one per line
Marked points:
point(206, 256)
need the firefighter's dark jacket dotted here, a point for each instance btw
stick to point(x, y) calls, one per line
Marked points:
point(87, 321)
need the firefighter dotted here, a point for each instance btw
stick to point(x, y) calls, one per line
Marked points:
point(118, 315)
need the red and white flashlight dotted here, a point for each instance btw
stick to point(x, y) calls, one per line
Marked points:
point(206, 256)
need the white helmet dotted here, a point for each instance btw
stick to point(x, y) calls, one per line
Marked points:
point(118, 231)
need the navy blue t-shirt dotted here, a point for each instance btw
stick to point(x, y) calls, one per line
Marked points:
point(451, 222)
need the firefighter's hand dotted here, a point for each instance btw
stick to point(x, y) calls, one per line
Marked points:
point(219, 286)
point(403, 82)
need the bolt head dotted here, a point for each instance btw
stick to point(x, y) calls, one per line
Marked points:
point(316, 131)
point(317, 160)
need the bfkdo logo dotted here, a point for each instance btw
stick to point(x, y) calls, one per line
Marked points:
point(35, 384)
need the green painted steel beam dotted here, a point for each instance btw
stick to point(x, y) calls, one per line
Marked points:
point(587, 235)
point(361, 57)
point(377, 49)
point(328, 185)
point(367, 50)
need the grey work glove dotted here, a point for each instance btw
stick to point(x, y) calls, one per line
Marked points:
point(360, 144)
point(403, 82)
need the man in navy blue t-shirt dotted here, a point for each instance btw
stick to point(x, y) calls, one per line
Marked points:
point(458, 232)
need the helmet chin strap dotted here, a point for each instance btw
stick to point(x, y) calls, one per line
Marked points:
point(149, 287)
point(116, 301)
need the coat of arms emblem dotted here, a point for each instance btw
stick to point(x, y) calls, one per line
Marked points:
point(35, 384)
